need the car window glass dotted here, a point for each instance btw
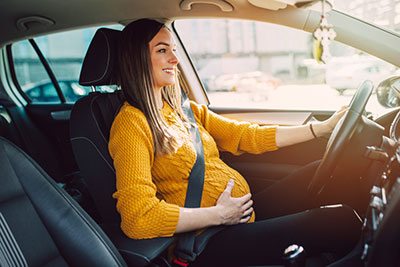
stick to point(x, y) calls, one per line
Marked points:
point(30, 72)
point(34, 93)
point(384, 13)
point(65, 53)
point(262, 65)
point(49, 92)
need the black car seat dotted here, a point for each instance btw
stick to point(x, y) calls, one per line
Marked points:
point(4, 126)
point(40, 224)
point(91, 120)
point(8, 129)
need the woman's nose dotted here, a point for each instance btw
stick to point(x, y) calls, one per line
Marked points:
point(174, 59)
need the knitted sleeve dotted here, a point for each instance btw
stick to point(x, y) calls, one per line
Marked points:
point(143, 215)
point(234, 136)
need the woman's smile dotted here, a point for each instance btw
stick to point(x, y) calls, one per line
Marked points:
point(170, 71)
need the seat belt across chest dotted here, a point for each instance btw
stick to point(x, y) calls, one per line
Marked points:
point(186, 242)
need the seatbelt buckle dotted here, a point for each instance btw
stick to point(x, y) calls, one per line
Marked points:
point(180, 262)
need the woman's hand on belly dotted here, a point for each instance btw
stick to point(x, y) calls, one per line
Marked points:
point(228, 210)
point(234, 210)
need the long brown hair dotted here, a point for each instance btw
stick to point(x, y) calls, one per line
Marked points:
point(137, 82)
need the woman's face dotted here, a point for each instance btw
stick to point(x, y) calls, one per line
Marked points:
point(162, 53)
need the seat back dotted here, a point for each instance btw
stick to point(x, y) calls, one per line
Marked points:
point(40, 224)
point(4, 127)
point(91, 120)
point(7, 126)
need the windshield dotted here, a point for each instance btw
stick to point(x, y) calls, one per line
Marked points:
point(384, 13)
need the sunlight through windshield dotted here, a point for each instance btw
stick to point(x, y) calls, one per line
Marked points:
point(384, 13)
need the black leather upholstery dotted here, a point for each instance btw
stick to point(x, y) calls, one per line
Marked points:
point(4, 127)
point(91, 120)
point(46, 226)
point(100, 59)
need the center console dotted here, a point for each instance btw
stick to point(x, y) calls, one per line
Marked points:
point(381, 229)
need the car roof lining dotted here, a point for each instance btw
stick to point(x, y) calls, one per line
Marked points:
point(370, 38)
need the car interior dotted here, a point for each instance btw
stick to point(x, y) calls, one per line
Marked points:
point(58, 178)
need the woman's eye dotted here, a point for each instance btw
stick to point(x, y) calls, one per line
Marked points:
point(162, 50)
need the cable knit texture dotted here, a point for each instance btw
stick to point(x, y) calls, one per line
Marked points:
point(150, 189)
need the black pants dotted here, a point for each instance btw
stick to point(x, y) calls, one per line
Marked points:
point(282, 219)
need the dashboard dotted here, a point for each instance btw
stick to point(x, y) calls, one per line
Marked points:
point(381, 228)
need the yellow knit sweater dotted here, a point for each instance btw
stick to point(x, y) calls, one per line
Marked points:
point(150, 189)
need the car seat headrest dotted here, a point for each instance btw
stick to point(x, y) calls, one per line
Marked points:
point(99, 65)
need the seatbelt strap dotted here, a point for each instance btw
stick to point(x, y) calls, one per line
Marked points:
point(196, 177)
point(184, 250)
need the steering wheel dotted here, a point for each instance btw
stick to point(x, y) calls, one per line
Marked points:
point(340, 136)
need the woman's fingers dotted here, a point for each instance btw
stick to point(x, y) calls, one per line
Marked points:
point(234, 210)
point(247, 212)
point(245, 219)
point(247, 205)
point(342, 111)
point(334, 119)
point(339, 113)
point(229, 187)
point(244, 198)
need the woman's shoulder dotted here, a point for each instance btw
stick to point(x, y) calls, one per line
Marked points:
point(200, 111)
point(194, 104)
point(130, 115)
point(130, 129)
point(198, 108)
point(128, 111)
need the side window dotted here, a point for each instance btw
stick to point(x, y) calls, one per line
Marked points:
point(255, 64)
point(64, 52)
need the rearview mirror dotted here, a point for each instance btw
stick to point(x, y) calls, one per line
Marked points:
point(388, 92)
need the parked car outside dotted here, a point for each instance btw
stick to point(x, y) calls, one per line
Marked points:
point(347, 74)
point(45, 92)
point(254, 81)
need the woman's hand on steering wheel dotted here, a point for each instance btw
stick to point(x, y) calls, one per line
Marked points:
point(326, 127)
point(340, 137)
point(234, 210)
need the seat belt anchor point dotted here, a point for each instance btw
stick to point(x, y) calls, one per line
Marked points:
point(180, 262)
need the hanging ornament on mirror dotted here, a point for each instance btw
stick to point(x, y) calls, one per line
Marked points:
point(323, 35)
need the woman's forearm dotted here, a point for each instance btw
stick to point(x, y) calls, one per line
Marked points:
point(290, 135)
point(197, 218)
